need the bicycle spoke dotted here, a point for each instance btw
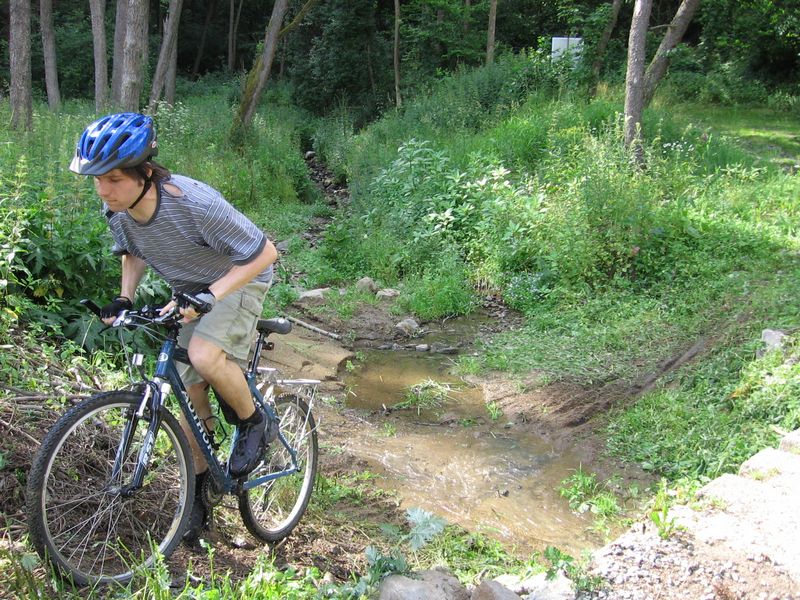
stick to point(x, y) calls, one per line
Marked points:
point(88, 528)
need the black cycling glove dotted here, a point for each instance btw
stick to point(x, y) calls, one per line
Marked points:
point(208, 297)
point(112, 309)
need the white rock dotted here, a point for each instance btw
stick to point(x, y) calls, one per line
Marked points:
point(408, 326)
point(313, 296)
point(387, 293)
point(427, 585)
point(493, 590)
point(366, 284)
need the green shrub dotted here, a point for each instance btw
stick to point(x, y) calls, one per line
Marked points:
point(442, 291)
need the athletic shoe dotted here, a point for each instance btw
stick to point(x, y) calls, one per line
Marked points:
point(251, 442)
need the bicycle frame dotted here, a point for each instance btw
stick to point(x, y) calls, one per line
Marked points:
point(166, 379)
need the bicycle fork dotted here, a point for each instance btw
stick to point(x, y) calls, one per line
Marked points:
point(151, 401)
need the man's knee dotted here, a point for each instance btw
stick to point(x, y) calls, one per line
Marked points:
point(205, 356)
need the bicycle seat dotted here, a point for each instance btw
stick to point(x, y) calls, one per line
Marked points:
point(276, 325)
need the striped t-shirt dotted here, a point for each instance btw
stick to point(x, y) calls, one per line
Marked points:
point(191, 240)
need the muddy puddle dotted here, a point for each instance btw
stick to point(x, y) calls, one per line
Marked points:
point(458, 459)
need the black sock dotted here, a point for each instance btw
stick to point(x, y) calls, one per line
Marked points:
point(199, 478)
point(255, 418)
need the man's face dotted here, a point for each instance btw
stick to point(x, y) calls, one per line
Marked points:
point(117, 189)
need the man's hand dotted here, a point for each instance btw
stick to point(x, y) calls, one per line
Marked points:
point(189, 312)
point(110, 311)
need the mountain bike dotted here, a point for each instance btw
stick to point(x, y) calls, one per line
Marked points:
point(112, 484)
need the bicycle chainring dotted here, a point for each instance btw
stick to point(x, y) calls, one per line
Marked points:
point(211, 493)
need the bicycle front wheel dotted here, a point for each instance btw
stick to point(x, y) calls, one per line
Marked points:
point(271, 511)
point(82, 515)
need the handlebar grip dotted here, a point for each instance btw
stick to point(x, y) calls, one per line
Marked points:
point(185, 300)
point(91, 306)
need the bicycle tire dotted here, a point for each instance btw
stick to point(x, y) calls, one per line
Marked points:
point(271, 511)
point(77, 517)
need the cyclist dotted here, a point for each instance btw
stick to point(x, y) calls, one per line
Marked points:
point(190, 235)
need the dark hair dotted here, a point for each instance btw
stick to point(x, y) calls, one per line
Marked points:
point(139, 172)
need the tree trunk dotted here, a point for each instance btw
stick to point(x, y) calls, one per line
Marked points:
point(172, 75)
point(600, 51)
point(257, 78)
point(98, 10)
point(118, 64)
point(19, 49)
point(467, 13)
point(133, 57)
point(233, 32)
point(658, 66)
point(169, 44)
point(203, 35)
point(490, 35)
point(49, 49)
point(634, 78)
point(397, 98)
point(298, 17)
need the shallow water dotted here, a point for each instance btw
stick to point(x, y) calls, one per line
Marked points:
point(454, 460)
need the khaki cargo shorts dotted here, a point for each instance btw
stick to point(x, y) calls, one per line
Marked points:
point(231, 325)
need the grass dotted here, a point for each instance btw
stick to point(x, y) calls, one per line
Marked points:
point(618, 271)
point(426, 395)
point(770, 135)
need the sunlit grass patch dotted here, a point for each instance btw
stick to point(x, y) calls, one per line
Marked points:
point(425, 395)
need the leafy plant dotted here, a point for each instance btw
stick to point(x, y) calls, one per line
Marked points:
point(424, 526)
point(566, 564)
point(494, 410)
point(659, 514)
point(425, 395)
point(586, 494)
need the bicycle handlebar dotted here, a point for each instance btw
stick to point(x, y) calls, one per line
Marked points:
point(151, 313)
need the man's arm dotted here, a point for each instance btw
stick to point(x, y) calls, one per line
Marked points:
point(238, 276)
point(133, 269)
point(241, 275)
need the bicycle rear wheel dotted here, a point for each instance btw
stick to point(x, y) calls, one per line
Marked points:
point(271, 511)
point(80, 517)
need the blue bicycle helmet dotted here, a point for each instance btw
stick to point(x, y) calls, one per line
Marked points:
point(116, 141)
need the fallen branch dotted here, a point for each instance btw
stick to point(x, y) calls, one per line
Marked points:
point(18, 391)
point(70, 397)
point(19, 430)
point(335, 336)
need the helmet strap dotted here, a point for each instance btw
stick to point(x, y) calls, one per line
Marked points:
point(147, 183)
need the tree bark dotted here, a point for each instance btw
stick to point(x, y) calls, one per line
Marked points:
point(397, 98)
point(600, 51)
point(98, 10)
point(467, 12)
point(169, 44)
point(172, 75)
point(133, 57)
point(634, 77)
point(658, 66)
point(257, 78)
point(19, 49)
point(233, 32)
point(490, 34)
point(298, 17)
point(201, 46)
point(118, 64)
point(49, 49)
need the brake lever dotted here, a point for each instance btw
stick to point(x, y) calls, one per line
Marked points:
point(121, 319)
point(173, 312)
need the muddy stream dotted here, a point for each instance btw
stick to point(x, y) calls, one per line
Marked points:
point(479, 469)
point(459, 463)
